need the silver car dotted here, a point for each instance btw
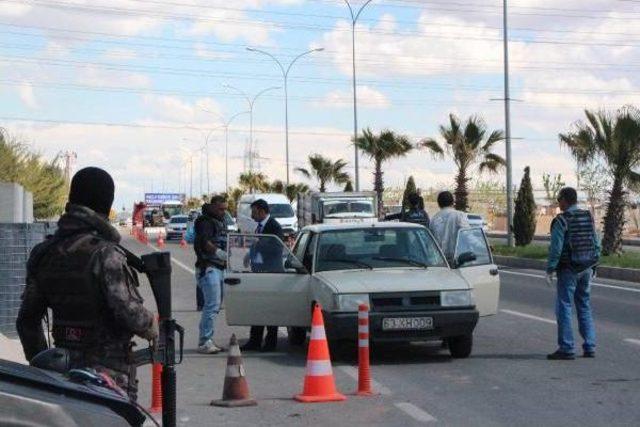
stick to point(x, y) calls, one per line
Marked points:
point(176, 227)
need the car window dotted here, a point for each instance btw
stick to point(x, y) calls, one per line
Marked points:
point(474, 217)
point(179, 220)
point(256, 254)
point(377, 248)
point(301, 245)
point(473, 240)
point(310, 252)
point(281, 210)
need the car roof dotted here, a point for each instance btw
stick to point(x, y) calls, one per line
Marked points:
point(268, 197)
point(179, 216)
point(320, 228)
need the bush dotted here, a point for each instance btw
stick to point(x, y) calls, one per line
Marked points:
point(524, 218)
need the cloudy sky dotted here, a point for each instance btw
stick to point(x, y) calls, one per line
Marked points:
point(135, 86)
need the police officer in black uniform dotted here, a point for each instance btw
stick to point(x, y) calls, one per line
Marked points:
point(416, 213)
point(82, 275)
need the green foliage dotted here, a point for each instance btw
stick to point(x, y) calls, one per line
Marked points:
point(253, 181)
point(233, 196)
point(552, 186)
point(612, 139)
point(325, 171)
point(45, 179)
point(292, 190)
point(524, 218)
point(408, 190)
point(467, 146)
point(348, 188)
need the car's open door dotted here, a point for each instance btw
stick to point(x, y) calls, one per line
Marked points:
point(264, 283)
point(475, 263)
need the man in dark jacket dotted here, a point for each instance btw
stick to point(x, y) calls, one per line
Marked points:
point(82, 275)
point(266, 257)
point(209, 245)
point(416, 213)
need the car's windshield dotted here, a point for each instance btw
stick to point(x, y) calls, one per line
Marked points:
point(377, 248)
point(338, 207)
point(179, 220)
point(281, 210)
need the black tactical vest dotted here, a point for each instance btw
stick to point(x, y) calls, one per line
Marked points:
point(579, 251)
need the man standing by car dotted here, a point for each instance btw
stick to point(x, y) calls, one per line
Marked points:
point(416, 213)
point(82, 275)
point(210, 264)
point(266, 257)
point(573, 254)
point(446, 223)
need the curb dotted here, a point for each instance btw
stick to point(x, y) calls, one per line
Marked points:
point(613, 273)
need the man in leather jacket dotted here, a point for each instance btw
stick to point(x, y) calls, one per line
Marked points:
point(82, 275)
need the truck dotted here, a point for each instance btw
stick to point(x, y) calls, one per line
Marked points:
point(157, 209)
point(337, 208)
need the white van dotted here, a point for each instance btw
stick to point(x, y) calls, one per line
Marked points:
point(279, 207)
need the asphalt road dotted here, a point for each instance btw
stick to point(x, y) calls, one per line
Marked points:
point(506, 381)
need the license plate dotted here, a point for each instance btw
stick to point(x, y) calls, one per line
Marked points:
point(407, 323)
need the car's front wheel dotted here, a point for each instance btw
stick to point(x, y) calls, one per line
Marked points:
point(460, 347)
point(297, 336)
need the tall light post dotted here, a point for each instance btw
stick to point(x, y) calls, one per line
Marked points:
point(285, 75)
point(251, 102)
point(507, 125)
point(207, 135)
point(225, 124)
point(354, 20)
point(200, 150)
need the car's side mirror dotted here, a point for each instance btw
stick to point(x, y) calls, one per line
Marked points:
point(293, 263)
point(464, 258)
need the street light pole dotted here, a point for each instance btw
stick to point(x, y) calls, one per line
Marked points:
point(354, 20)
point(251, 102)
point(285, 75)
point(507, 120)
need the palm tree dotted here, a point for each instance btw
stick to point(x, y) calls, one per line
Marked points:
point(253, 181)
point(325, 171)
point(613, 140)
point(277, 186)
point(292, 190)
point(381, 148)
point(467, 147)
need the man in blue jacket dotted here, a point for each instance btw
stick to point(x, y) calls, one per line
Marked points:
point(573, 255)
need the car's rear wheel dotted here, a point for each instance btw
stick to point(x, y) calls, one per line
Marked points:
point(460, 346)
point(297, 336)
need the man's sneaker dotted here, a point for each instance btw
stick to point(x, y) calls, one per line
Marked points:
point(561, 355)
point(209, 348)
point(589, 354)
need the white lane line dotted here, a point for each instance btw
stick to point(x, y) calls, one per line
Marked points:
point(178, 263)
point(602, 285)
point(632, 341)
point(414, 412)
point(528, 316)
point(352, 371)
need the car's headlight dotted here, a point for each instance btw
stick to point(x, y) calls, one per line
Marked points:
point(456, 298)
point(350, 302)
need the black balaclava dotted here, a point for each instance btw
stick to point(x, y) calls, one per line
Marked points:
point(92, 187)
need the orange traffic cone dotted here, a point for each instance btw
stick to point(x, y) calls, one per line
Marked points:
point(160, 241)
point(183, 243)
point(236, 389)
point(156, 388)
point(319, 384)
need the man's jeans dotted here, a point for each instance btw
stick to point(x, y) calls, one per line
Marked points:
point(574, 287)
point(211, 285)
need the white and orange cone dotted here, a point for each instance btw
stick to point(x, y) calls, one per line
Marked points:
point(319, 384)
point(236, 389)
point(364, 370)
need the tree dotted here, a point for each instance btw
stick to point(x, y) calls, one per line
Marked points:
point(348, 188)
point(253, 181)
point(292, 190)
point(113, 215)
point(552, 186)
point(594, 179)
point(44, 179)
point(381, 148)
point(193, 203)
point(325, 171)
point(408, 190)
point(277, 186)
point(612, 139)
point(467, 147)
point(232, 197)
point(524, 217)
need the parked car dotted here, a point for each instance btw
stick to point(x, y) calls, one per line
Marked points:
point(280, 210)
point(477, 220)
point(397, 269)
point(176, 226)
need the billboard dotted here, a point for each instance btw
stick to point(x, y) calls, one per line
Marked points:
point(157, 199)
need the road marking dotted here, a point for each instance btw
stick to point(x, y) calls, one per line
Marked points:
point(632, 341)
point(352, 371)
point(529, 316)
point(178, 263)
point(414, 412)
point(602, 285)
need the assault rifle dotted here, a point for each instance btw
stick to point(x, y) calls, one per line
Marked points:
point(157, 267)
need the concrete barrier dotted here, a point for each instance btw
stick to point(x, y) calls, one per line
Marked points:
point(613, 273)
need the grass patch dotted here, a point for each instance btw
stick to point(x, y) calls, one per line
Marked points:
point(540, 251)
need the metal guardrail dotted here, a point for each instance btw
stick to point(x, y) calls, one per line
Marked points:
point(16, 242)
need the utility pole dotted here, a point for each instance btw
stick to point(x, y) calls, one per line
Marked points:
point(507, 125)
point(69, 158)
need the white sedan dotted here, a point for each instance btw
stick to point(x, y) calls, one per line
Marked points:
point(397, 269)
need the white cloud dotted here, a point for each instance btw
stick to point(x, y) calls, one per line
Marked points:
point(98, 77)
point(204, 111)
point(203, 51)
point(27, 96)
point(367, 97)
point(120, 54)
